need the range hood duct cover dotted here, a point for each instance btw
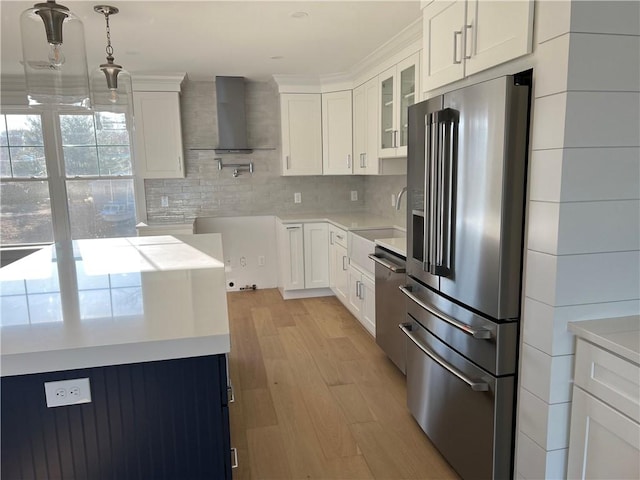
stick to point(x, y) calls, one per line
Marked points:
point(232, 120)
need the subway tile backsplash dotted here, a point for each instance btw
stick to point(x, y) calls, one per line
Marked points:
point(207, 191)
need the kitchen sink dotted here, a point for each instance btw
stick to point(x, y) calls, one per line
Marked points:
point(376, 233)
point(360, 243)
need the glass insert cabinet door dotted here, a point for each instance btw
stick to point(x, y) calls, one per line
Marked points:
point(387, 132)
point(398, 87)
point(407, 98)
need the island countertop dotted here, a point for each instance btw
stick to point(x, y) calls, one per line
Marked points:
point(91, 303)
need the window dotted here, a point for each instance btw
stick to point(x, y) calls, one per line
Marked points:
point(25, 210)
point(94, 194)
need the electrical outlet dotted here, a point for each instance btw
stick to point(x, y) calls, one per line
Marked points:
point(164, 201)
point(297, 197)
point(354, 195)
point(67, 392)
point(261, 260)
point(243, 261)
point(393, 199)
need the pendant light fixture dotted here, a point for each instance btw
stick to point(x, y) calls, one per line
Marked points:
point(110, 83)
point(54, 56)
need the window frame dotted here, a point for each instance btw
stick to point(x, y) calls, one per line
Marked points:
point(56, 177)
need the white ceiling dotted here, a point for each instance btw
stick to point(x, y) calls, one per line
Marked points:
point(208, 38)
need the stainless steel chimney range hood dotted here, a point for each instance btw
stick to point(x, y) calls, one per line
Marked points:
point(232, 121)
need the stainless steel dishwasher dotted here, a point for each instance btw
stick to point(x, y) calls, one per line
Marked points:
point(390, 305)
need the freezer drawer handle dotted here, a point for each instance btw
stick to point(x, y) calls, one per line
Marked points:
point(391, 266)
point(475, 386)
point(474, 332)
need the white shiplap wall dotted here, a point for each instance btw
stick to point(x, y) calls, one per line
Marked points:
point(583, 245)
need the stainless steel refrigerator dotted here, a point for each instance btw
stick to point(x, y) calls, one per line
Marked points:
point(465, 220)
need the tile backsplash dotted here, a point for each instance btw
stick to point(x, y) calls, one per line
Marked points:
point(209, 192)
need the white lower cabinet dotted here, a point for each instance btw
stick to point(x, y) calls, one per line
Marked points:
point(605, 415)
point(338, 264)
point(361, 298)
point(605, 443)
point(316, 255)
point(291, 256)
point(303, 255)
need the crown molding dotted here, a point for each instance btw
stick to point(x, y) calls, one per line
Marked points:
point(157, 82)
point(403, 40)
point(402, 45)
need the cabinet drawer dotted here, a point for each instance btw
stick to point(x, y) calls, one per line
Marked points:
point(338, 236)
point(609, 378)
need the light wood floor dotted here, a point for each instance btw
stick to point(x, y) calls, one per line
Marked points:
point(316, 397)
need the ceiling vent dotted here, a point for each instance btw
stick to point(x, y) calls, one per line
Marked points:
point(232, 119)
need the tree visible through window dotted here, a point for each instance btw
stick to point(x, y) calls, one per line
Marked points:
point(97, 186)
point(25, 209)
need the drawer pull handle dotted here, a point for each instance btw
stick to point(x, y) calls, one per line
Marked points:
point(391, 266)
point(474, 332)
point(230, 394)
point(234, 452)
point(475, 386)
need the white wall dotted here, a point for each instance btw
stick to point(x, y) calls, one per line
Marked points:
point(583, 245)
point(244, 241)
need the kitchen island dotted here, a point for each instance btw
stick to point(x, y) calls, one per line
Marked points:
point(145, 320)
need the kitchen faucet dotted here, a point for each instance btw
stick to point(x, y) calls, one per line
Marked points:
point(399, 197)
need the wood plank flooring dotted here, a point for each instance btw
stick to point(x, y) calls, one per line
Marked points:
point(316, 398)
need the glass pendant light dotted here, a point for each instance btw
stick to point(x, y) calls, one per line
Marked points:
point(54, 56)
point(111, 88)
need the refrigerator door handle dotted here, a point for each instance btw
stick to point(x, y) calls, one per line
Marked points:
point(481, 333)
point(432, 212)
point(426, 231)
point(443, 215)
point(475, 386)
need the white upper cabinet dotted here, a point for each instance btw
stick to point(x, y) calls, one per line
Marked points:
point(398, 88)
point(463, 37)
point(365, 128)
point(158, 135)
point(337, 138)
point(301, 126)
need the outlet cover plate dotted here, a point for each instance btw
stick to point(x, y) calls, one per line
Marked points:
point(297, 197)
point(354, 195)
point(67, 392)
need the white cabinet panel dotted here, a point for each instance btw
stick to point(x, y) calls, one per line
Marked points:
point(361, 298)
point(337, 139)
point(496, 32)
point(338, 264)
point(355, 303)
point(365, 128)
point(368, 312)
point(291, 256)
point(301, 128)
point(158, 135)
point(316, 255)
point(463, 37)
point(604, 443)
point(443, 27)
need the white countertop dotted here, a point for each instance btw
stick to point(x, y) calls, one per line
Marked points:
point(113, 301)
point(346, 221)
point(397, 245)
point(619, 335)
